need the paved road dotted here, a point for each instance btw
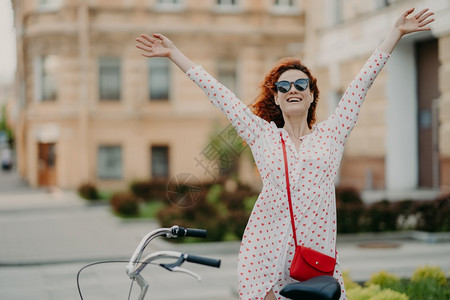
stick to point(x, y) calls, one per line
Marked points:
point(46, 237)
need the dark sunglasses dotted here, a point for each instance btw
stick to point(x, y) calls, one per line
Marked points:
point(284, 86)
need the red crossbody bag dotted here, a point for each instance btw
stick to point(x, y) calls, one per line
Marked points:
point(307, 263)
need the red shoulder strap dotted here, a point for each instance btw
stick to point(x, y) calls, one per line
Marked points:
point(288, 188)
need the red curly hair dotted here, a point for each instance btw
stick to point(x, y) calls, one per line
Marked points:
point(264, 106)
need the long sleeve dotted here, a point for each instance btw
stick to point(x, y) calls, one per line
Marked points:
point(248, 125)
point(347, 112)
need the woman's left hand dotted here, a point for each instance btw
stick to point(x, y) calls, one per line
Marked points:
point(418, 22)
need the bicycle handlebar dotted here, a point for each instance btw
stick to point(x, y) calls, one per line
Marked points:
point(203, 260)
point(192, 232)
point(136, 265)
point(173, 232)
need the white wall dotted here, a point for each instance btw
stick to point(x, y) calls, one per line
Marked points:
point(401, 119)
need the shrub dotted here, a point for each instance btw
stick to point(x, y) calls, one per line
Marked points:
point(354, 216)
point(427, 288)
point(374, 292)
point(426, 214)
point(388, 294)
point(433, 215)
point(223, 213)
point(348, 282)
point(428, 283)
point(239, 205)
point(235, 199)
point(88, 191)
point(442, 205)
point(385, 280)
point(379, 216)
point(363, 293)
point(249, 202)
point(125, 204)
point(430, 272)
point(150, 190)
point(213, 197)
point(236, 223)
point(349, 208)
point(214, 193)
point(203, 215)
point(406, 219)
point(141, 189)
point(348, 195)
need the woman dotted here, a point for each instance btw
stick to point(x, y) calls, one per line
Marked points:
point(285, 110)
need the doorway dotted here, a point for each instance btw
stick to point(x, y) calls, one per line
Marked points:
point(427, 61)
point(46, 164)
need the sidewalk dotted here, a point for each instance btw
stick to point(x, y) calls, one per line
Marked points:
point(47, 237)
point(43, 249)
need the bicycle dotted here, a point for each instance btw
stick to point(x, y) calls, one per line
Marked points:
point(135, 265)
point(318, 288)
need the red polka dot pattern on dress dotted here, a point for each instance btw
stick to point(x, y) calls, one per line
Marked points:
point(267, 247)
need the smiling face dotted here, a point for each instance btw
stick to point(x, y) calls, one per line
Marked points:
point(267, 104)
point(294, 102)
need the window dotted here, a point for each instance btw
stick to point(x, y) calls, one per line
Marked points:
point(169, 2)
point(289, 7)
point(227, 6)
point(159, 78)
point(160, 161)
point(169, 5)
point(109, 162)
point(226, 73)
point(49, 5)
point(284, 3)
point(46, 78)
point(226, 2)
point(109, 78)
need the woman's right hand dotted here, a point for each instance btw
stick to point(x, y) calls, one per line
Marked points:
point(156, 45)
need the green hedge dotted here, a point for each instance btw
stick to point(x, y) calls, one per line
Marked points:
point(225, 211)
point(426, 283)
point(426, 215)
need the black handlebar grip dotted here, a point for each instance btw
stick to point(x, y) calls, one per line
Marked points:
point(203, 260)
point(200, 233)
point(181, 231)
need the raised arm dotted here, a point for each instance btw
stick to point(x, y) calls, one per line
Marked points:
point(405, 25)
point(158, 45)
point(247, 125)
point(346, 114)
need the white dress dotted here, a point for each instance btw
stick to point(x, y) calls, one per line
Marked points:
point(267, 246)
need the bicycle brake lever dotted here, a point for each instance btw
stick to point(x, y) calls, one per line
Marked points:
point(171, 266)
point(186, 271)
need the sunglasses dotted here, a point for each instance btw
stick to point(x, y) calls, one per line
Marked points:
point(284, 86)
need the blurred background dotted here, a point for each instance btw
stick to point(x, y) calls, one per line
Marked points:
point(79, 103)
point(84, 115)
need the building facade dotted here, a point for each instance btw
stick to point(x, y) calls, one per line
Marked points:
point(91, 109)
point(402, 141)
